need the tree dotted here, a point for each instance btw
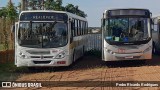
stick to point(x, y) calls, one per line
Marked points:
point(58, 5)
point(75, 10)
point(32, 5)
point(49, 4)
point(70, 8)
point(3, 12)
point(53, 5)
point(23, 5)
point(19, 7)
point(11, 11)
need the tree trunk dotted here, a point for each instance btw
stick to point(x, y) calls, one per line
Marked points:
point(23, 5)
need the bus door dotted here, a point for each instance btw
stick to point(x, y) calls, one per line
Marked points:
point(15, 40)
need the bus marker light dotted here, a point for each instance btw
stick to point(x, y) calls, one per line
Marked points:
point(54, 51)
point(61, 62)
point(121, 50)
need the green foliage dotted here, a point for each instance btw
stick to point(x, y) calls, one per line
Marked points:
point(1, 47)
point(53, 5)
point(57, 5)
point(75, 10)
point(11, 11)
point(70, 8)
point(3, 12)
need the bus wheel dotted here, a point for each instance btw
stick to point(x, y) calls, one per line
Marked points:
point(73, 58)
point(154, 49)
point(83, 51)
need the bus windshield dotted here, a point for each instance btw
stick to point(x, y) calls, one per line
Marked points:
point(126, 29)
point(42, 34)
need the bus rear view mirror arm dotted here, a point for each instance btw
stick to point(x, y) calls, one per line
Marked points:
point(13, 28)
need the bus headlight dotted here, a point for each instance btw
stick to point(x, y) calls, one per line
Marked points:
point(109, 51)
point(22, 55)
point(60, 55)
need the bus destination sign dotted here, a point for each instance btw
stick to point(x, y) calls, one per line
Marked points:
point(125, 12)
point(45, 16)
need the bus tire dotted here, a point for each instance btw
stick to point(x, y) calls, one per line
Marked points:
point(73, 58)
point(154, 49)
point(83, 52)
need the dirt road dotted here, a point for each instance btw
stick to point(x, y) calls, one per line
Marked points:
point(90, 68)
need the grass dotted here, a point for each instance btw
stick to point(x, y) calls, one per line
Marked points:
point(9, 72)
point(2, 47)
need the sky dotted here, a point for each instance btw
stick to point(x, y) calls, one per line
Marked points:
point(95, 8)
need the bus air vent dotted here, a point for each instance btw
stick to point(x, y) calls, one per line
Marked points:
point(38, 52)
point(42, 62)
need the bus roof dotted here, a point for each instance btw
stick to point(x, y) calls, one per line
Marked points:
point(126, 9)
point(127, 12)
point(68, 13)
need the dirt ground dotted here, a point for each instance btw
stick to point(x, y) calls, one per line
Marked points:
point(90, 68)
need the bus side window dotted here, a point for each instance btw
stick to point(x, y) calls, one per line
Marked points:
point(80, 28)
point(76, 28)
point(73, 28)
point(83, 27)
point(86, 30)
point(155, 26)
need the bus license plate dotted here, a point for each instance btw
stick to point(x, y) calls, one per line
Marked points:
point(129, 57)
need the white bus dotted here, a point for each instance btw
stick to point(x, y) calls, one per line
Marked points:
point(49, 38)
point(126, 34)
point(156, 34)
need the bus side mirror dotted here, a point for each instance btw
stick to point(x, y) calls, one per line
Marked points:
point(103, 21)
point(71, 39)
point(151, 21)
point(13, 28)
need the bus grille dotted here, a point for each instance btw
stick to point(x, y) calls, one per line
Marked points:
point(41, 56)
point(41, 62)
point(38, 52)
point(123, 58)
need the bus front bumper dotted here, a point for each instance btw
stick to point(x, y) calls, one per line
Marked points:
point(49, 62)
point(131, 56)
